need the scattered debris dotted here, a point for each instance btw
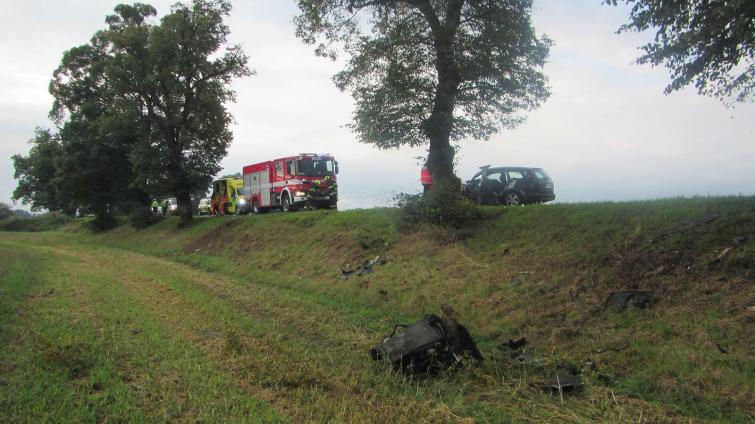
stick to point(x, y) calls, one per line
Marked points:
point(613, 349)
point(515, 344)
point(365, 268)
point(136, 331)
point(721, 348)
point(656, 272)
point(702, 221)
point(562, 383)
point(722, 254)
point(739, 240)
point(427, 346)
point(589, 365)
point(212, 333)
point(635, 298)
point(686, 225)
point(517, 353)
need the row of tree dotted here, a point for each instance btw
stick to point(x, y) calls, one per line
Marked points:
point(141, 106)
point(140, 110)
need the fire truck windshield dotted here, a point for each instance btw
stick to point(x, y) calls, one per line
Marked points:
point(315, 168)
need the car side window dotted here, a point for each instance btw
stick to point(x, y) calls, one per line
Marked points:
point(515, 175)
point(476, 179)
point(495, 176)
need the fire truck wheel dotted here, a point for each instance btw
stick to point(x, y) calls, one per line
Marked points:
point(255, 207)
point(286, 204)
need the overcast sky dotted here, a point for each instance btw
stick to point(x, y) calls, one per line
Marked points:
point(606, 133)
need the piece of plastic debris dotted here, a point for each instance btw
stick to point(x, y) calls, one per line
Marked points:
point(722, 254)
point(363, 269)
point(635, 298)
point(515, 344)
point(563, 383)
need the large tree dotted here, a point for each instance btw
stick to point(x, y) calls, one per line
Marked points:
point(98, 131)
point(432, 71)
point(177, 75)
point(708, 43)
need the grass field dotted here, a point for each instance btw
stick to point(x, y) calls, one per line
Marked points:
point(245, 319)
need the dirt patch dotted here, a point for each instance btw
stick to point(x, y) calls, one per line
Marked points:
point(702, 249)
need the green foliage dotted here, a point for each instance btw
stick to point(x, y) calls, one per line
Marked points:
point(177, 75)
point(97, 133)
point(443, 206)
point(36, 173)
point(5, 211)
point(141, 109)
point(706, 43)
point(44, 222)
point(424, 70)
point(144, 218)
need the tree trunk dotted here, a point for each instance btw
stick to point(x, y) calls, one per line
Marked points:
point(438, 128)
point(184, 208)
point(439, 125)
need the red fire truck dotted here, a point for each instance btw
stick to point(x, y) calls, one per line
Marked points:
point(293, 182)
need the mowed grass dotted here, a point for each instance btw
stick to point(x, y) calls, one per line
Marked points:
point(78, 347)
point(253, 306)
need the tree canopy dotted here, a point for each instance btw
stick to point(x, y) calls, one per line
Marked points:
point(37, 173)
point(175, 76)
point(710, 44)
point(141, 109)
point(437, 71)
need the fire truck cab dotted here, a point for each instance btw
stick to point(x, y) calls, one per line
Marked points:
point(293, 182)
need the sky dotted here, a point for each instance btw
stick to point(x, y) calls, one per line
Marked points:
point(606, 133)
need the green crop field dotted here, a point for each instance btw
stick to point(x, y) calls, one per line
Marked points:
point(245, 319)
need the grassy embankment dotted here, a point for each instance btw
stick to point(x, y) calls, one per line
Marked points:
point(245, 318)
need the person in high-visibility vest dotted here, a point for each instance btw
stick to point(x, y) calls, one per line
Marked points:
point(155, 205)
point(426, 179)
point(165, 207)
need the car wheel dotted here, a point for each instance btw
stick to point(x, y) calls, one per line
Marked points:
point(512, 199)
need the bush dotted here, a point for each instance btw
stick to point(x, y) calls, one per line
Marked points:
point(144, 218)
point(103, 222)
point(442, 206)
point(45, 222)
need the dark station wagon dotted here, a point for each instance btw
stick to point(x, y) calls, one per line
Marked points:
point(510, 186)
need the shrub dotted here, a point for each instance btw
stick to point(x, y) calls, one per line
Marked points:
point(443, 206)
point(45, 222)
point(143, 218)
point(103, 222)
